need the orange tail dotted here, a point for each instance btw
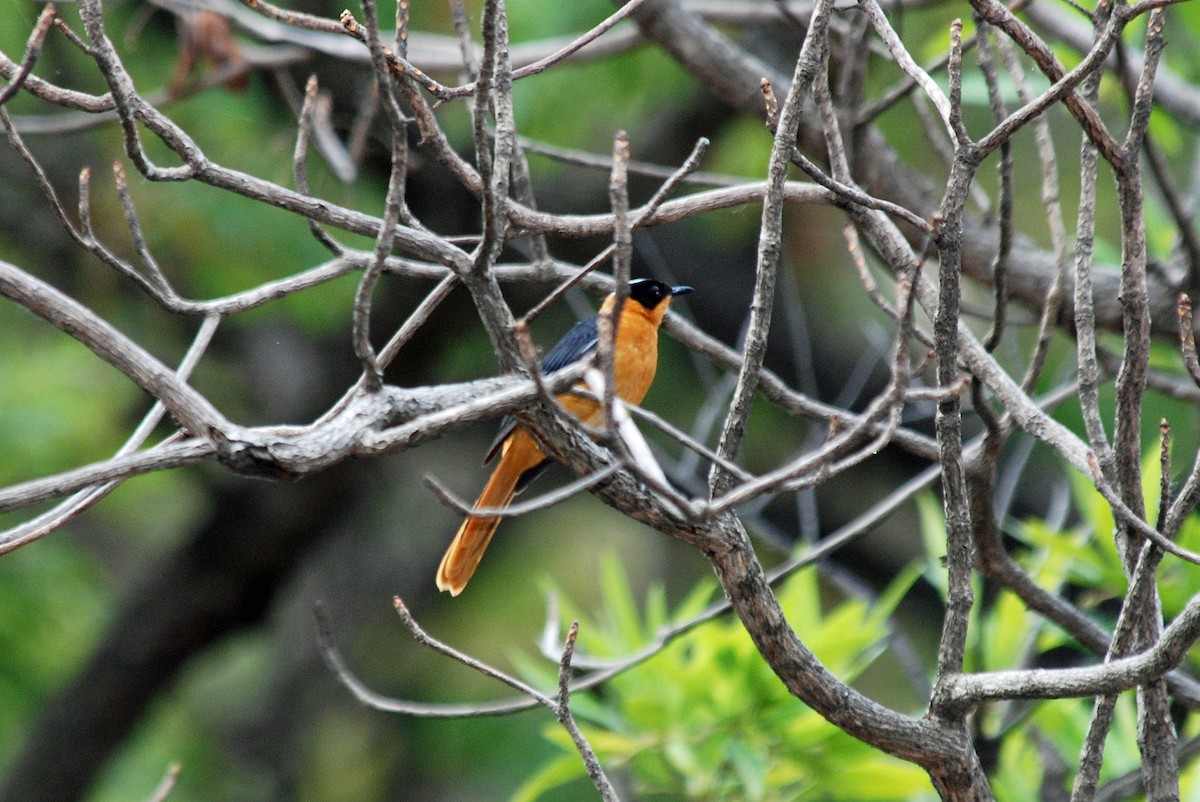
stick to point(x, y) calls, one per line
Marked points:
point(467, 548)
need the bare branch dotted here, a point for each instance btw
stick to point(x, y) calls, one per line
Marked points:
point(770, 245)
point(117, 469)
point(563, 712)
point(187, 406)
point(903, 215)
point(521, 507)
point(559, 706)
point(1112, 677)
point(33, 49)
point(910, 67)
point(300, 162)
point(57, 517)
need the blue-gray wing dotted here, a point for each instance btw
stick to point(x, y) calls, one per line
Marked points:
point(576, 344)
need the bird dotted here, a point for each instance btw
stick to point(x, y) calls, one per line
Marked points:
point(635, 359)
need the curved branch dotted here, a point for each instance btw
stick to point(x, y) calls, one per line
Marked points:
point(193, 411)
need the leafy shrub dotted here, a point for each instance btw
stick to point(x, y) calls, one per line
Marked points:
point(707, 719)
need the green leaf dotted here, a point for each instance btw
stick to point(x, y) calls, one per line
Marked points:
point(886, 602)
point(707, 719)
point(619, 604)
point(881, 779)
point(751, 769)
point(559, 771)
point(1091, 505)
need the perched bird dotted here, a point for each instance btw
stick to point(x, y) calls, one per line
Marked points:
point(635, 358)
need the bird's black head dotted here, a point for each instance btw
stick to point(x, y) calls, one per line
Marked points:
point(650, 293)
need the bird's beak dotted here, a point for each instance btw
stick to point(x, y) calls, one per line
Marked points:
point(681, 290)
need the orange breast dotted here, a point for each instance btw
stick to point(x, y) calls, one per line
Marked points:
point(637, 356)
point(636, 361)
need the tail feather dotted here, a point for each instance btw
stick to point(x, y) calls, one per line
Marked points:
point(466, 550)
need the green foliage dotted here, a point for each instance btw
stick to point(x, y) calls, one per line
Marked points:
point(706, 718)
point(1005, 634)
point(743, 149)
point(1096, 564)
point(51, 417)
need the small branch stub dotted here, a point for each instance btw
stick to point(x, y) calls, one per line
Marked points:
point(772, 104)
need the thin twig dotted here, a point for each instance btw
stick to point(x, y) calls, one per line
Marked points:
point(174, 455)
point(1085, 311)
point(1133, 520)
point(960, 546)
point(33, 49)
point(55, 518)
point(905, 62)
point(393, 205)
point(154, 271)
point(300, 163)
point(687, 441)
point(346, 24)
point(638, 218)
point(542, 502)
point(493, 92)
point(610, 321)
point(563, 52)
point(1004, 169)
point(770, 245)
point(425, 639)
point(1187, 338)
point(559, 706)
point(563, 713)
point(166, 785)
point(1063, 82)
point(1054, 219)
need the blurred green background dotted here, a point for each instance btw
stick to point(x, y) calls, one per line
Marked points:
point(174, 621)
